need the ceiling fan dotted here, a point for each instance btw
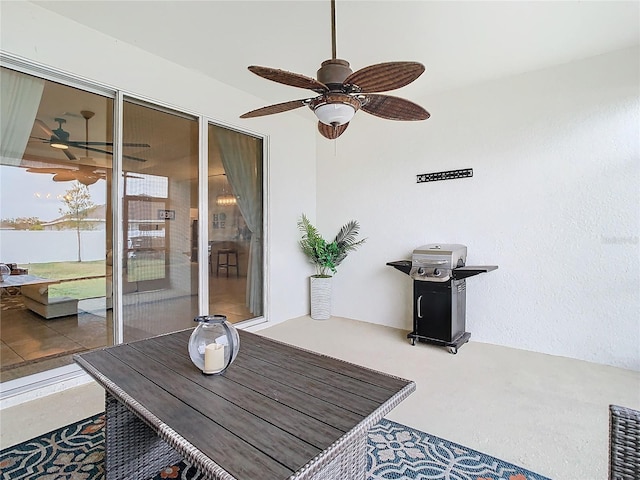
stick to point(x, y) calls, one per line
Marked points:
point(59, 138)
point(83, 174)
point(342, 92)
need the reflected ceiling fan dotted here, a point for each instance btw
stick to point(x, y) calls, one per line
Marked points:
point(59, 138)
point(342, 92)
point(84, 174)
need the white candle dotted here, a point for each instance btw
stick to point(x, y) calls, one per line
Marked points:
point(213, 358)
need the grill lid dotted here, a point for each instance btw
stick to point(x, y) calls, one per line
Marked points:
point(439, 262)
point(434, 262)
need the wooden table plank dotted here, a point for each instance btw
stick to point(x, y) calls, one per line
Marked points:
point(282, 375)
point(309, 429)
point(381, 383)
point(281, 372)
point(299, 399)
point(213, 440)
point(287, 449)
point(324, 391)
point(302, 401)
point(356, 371)
point(297, 361)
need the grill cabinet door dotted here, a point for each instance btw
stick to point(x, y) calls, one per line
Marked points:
point(439, 309)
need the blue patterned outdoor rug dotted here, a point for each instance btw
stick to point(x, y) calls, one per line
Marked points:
point(394, 451)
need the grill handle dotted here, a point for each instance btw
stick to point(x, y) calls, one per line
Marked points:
point(418, 306)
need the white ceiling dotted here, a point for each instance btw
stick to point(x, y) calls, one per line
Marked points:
point(459, 42)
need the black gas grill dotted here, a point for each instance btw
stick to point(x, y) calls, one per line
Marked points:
point(439, 293)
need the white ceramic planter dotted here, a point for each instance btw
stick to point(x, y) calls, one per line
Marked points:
point(320, 297)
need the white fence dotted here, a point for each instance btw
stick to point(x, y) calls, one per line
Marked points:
point(25, 246)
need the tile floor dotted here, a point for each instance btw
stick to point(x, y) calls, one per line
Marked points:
point(31, 344)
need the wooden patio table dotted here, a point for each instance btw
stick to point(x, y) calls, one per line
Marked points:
point(278, 412)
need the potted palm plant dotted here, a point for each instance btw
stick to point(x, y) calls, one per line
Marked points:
point(326, 257)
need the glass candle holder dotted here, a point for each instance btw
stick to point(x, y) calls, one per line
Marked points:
point(5, 272)
point(213, 344)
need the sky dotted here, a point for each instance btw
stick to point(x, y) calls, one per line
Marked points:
point(25, 194)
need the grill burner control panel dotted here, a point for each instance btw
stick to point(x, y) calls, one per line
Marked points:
point(457, 273)
point(439, 293)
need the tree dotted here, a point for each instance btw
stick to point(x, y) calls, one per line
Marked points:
point(77, 205)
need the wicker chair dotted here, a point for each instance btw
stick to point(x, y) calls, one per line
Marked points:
point(624, 443)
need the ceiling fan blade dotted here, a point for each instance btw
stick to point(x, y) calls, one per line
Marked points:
point(69, 155)
point(87, 179)
point(64, 176)
point(331, 132)
point(108, 144)
point(45, 170)
point(289, 78)
point(137, 159)
point(277, 108)
point(394, 108)
point(44, 128)
point(383, 77)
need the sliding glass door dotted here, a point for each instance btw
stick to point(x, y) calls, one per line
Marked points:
point(55, 178)
point(75, 229)
point(235, 224)
point(159, 278)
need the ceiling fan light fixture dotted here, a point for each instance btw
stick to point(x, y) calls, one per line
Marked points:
point(335, 109)
point(335, 113)
point(59, 138)
point(56, 143)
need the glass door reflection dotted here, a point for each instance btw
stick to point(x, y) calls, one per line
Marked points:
point(235, 224)
point(159, 278)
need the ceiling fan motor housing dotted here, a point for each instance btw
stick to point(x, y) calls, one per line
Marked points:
point(333, 73)
point(337, 107)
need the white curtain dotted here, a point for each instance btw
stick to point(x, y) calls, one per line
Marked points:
point(242, 160)
point(19, 101)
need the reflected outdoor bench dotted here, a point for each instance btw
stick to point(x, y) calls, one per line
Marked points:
point(278, 412)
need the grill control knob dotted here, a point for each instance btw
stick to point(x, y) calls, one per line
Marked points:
point(420, 271)
point(436, 272)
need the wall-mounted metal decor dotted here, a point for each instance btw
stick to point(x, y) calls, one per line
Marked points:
point(166, 214)
point(448, 175)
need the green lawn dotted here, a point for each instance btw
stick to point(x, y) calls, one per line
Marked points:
point(145, 269)
point(139, 269)
point(80, 289)
point(64, 270)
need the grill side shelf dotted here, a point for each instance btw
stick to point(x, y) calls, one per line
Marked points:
point(469, 271)
point(403, 265)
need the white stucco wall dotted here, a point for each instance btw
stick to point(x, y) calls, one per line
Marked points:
point(554, 201)
point(554, 198)
point(41, 36)
point(25, 246)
